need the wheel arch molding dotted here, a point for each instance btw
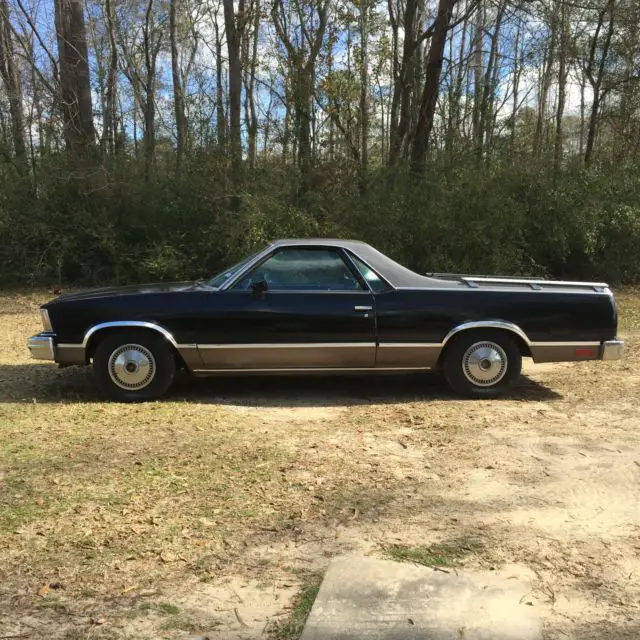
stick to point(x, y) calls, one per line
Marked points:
point(497, 325)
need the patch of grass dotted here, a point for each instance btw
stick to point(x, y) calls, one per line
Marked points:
point(444, 554)
point(169, 609)
point(291, 629)
point(179, 623)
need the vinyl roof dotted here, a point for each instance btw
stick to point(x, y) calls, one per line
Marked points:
point(396, 274)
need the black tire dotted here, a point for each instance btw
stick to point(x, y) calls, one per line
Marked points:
point(116, 356)
point(478, 371)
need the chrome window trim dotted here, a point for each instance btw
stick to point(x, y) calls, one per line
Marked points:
point(239, 274)
point(349, 253)
point(271, 249)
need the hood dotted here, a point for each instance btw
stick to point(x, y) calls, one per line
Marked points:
point(129, 290)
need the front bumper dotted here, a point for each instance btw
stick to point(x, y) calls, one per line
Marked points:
point(612, 350)
point(42, 347)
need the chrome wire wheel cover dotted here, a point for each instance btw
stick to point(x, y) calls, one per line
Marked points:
point(132, 367)
point(484, 364)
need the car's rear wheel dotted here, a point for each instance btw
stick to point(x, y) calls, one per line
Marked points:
point(482, 364)
point(133, 366)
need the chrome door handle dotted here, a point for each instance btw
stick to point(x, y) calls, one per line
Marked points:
point(363, 308)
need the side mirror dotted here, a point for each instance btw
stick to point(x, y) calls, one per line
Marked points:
point(258, 288)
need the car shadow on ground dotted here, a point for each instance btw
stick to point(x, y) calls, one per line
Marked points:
point(44, 383)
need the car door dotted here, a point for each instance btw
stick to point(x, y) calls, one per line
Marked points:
point(302, 307)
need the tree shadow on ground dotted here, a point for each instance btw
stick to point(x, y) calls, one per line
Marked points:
point(28, 383)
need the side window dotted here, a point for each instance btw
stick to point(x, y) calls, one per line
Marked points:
point(307, 269)
point(376, 283)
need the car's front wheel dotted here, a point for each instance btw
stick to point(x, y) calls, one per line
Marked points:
point(133, 366)
point(482, 364)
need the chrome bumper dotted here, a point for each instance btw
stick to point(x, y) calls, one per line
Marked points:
point(41, 347)
point(612, 350)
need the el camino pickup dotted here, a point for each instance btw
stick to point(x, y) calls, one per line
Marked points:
point(327, 306)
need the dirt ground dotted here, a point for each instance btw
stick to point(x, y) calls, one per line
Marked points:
point(204, 514)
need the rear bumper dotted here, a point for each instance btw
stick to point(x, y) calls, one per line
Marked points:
point(612, 350)
point(42, 347)
point(577, 351)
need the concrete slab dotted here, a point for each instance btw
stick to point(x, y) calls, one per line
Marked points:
point(365, 598)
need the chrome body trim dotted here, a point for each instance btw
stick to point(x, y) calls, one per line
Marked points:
point(529, 281)
point(289, 345)
point(612, 350)
point(410, 345)
point(41, 347)
point(488, 324)
point(129, 323)
point(312, 370)
point(565, 344)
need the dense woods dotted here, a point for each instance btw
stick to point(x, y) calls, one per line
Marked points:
point(160, 139)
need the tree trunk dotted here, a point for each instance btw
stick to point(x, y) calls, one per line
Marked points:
point(518, 64)
point(562, 87)
point(11, 78)
point(303, 121)
point(364, 93)
point(545, 85)
point(234, 25)
point(221, 124)
point(489, 83)
point(250, 82)
point(431, 87)
point(178, 93)
point(75, 88)
point(478, 66)
point(596, 81)
point(151, 50)
point(401, 101)
point(110, 114)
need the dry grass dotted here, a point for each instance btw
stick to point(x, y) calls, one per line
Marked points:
point(110, 513)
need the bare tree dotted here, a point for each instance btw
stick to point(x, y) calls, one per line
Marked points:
point(303, 56)
point(430, 91)
point(235, 23)
point(75, 88)
point(178, 90)
point(11, 78)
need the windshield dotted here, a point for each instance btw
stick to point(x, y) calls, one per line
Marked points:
point(217, 281)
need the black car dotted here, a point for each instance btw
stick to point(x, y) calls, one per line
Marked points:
point(327, 306)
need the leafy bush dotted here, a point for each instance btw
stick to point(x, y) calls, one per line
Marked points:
point(107, 224)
